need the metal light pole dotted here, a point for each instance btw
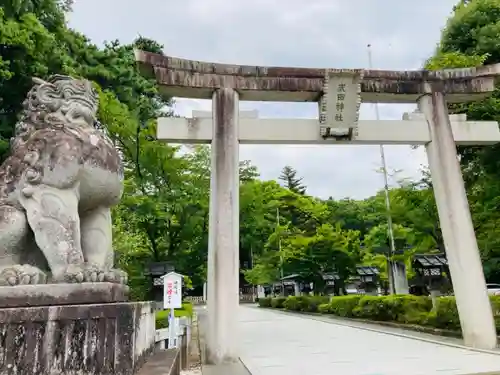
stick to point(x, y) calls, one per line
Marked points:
point(254, 292)
point(390, 231)
point(279, 249)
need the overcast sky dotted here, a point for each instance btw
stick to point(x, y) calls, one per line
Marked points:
point(313, 33)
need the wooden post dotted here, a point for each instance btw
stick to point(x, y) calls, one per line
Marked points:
point(184, 349)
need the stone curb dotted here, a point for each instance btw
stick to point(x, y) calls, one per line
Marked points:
point(409, 327)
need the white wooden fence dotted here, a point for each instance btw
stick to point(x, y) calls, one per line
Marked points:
point(182, 326)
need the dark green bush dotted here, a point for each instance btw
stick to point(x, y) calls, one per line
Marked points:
point(495, 306)
point(313, 302)
point(371, 307)
point(445, 314)
point(407, 308)
point(305, 303)
point(403, 309)
point(344, 305)
point(324, 308)
point(265, 302)
point(277, 302)
point(293, 304)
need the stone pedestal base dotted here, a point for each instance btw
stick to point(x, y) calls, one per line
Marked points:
point(109, 338)
point(62, 294)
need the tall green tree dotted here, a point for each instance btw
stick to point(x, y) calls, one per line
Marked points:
point(291, 180)
point(470, 38)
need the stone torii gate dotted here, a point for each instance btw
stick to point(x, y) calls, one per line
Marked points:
point(339, 93)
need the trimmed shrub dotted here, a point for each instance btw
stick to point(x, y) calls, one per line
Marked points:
point(445, 314)
point(403, 309)
point(371, 307)
point(265, 302)
point(293, 304)
point(313, 302)
point(407, 308)
point(305, 303)
point(277, 302)
point(324, 308)
point(495, 306)
point(344, 305)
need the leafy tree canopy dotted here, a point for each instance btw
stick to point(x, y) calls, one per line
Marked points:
point(163, 215)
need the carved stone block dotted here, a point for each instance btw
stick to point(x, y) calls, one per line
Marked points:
point(62, 294)
point(114, 338)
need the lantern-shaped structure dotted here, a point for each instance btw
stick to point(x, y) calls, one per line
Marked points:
point(368, 278)
point(431, 270)
point(155, 271)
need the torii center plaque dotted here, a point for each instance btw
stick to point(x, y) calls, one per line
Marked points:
point(339, 105)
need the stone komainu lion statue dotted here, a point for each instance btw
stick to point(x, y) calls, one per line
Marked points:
point(56, 190)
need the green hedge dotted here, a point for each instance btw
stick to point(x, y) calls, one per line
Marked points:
point(406, 309)
point(162, 316)
point(278, 302)
point(303, 303)
point(264, 302)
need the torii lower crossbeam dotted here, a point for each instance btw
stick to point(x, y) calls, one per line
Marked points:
point(412, 130)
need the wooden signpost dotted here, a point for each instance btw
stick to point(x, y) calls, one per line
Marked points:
point(172, 299)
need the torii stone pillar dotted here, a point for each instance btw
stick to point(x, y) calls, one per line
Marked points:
point(224, 230)
point(464, 262)
point(339, 92)
point(222, 287)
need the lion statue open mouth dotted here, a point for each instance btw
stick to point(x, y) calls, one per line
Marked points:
point(56, 190)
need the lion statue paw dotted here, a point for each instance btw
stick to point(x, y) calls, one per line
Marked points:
point(21, 274)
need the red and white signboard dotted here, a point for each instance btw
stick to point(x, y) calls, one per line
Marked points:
point(172, 291)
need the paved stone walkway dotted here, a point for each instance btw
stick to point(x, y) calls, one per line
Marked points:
point(274, 343)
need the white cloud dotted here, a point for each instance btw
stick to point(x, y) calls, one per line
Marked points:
point(317, 33)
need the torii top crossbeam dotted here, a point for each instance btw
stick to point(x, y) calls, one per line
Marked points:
point(196, 79)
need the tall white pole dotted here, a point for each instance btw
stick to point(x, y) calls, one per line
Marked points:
point(390, 231)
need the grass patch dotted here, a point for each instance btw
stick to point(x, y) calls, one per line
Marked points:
point(162, 316)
